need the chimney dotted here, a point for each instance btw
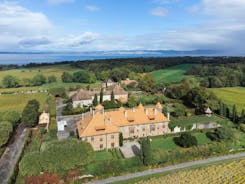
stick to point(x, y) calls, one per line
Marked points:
point(125, 114)
point(168, 114)
point(146, 111)
point(155, 111)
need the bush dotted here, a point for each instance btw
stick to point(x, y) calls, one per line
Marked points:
point(12, 116)
point(57, 157)
point(242, 127)
point(220, 134)
point(185, 140)
point(6, 129)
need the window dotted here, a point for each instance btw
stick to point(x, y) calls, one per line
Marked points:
point(131, 130)
point(163, 126)
point(101, 139)
point(85, 139)
point(101, 146)
point(143, 129)
point(92, 138)
point(112, 136)
point(152, 127)
point(112, 145)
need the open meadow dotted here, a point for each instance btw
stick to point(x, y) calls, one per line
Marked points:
point(231, 96)
point(29, 73)
point(171, 74)
point(17, 102)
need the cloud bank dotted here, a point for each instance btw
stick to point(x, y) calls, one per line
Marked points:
point(23, 29)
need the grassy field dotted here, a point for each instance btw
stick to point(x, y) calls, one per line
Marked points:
point(17, 102)
point(171, 74)
point(228, 171)
point(167, 143)
point(55, 70)
point(231, 96)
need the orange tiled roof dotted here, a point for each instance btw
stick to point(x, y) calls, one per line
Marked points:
point(109, 122)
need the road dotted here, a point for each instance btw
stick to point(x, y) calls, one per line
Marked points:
point(11, 155)
point(169, 168)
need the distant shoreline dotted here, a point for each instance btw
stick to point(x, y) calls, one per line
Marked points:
point(22, 58)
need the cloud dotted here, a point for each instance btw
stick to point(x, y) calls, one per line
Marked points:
point(18, 23)
point(159, 11)
point(60, 1)
point(92, 8)
point(31, 42)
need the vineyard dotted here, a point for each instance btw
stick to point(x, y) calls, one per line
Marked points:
point(233, 172)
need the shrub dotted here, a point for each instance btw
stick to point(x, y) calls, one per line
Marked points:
point(220, 134)
point(242, 127)
point(6, 129)
point(120, 139)
point(185, 140)
point(11, 116)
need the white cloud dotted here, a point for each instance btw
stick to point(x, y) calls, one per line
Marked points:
point(18, 23)
point(60, 1)
point(159, 11)
point(92, 8)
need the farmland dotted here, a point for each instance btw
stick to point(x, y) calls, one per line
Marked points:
point(231, 96)
point(29, 73)
point(171, 74)
point(17, 102)
point(231, 172)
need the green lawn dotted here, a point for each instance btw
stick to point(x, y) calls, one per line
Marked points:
point(103, 155)
point(167, 143)
point(231, 96)
point(17, 102)
point(171, 74)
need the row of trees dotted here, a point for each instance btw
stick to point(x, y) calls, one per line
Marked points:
point(10, 81)
point(80, 76)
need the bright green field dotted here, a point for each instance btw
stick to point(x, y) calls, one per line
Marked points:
point(231, 96)
point(167, 143)
point(17, 102)
point(171, 74)
point(29, 73)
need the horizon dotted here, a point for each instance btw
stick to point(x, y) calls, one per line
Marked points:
point(106, 25)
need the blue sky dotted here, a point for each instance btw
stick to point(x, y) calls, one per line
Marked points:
point(89, 25)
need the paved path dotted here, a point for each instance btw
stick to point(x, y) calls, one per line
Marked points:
point(11, 155)
point(169, 168)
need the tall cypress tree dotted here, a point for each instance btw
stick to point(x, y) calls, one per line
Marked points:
point(234, 114)
point(112, 97)
point(101, 96)
point(146, 151)
point(95, 100)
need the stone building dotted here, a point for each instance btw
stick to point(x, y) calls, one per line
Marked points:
point(101, 129)
point(85, 97)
